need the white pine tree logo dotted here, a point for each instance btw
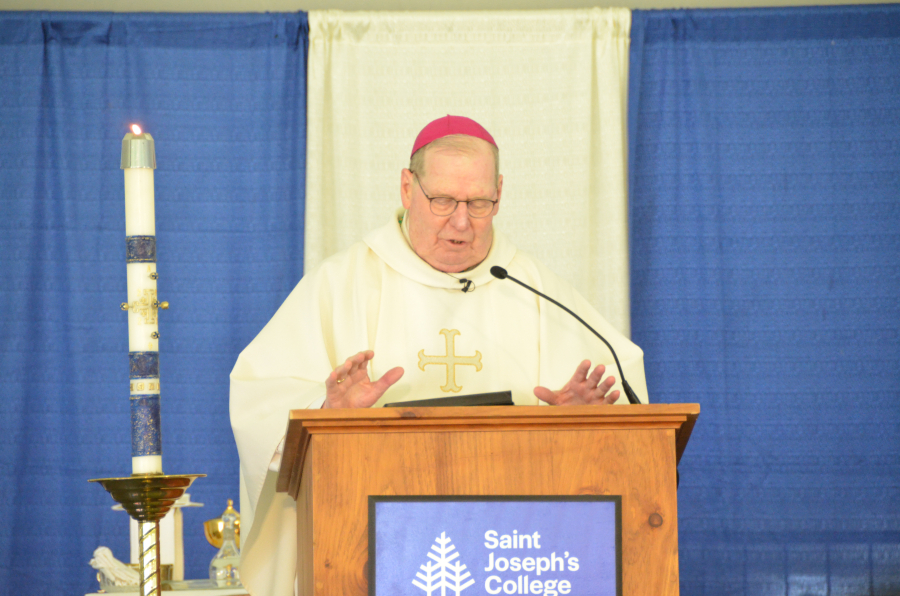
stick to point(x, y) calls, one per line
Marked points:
point(443, 570)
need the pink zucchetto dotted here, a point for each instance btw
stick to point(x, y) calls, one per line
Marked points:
point(451, 125)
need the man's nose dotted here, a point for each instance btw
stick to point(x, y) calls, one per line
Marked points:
point(459, 219)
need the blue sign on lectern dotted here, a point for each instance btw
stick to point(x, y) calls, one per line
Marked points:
point(473, 546)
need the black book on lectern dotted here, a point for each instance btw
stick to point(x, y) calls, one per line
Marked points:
point(497, 398)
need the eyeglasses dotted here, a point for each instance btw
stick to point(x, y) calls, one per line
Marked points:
point(444, 206)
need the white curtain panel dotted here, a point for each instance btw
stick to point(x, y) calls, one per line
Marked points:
point(550, 86)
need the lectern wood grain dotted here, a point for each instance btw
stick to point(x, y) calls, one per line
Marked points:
point(337, 460)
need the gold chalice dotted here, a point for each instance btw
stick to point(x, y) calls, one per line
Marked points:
point(213, 528)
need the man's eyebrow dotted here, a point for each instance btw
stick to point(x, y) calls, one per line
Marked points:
point(440, 195)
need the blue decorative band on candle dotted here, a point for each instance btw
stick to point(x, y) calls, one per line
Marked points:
point(144, 365)
point(145, 433)
point(140, 249)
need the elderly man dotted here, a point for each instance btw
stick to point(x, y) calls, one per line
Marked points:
point(412, 312)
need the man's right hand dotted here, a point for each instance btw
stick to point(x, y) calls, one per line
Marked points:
point(349, 386)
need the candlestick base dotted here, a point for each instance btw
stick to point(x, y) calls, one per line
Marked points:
point(147, 499)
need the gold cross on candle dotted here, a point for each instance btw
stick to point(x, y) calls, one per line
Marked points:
point(143, 306)
point(450, 360)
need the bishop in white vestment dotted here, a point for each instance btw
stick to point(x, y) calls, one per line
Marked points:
point(388, 321)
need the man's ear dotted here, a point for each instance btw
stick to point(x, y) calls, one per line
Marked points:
point(499, 189)
point(406, 187)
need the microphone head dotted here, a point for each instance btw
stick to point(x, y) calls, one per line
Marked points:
point(498, 272)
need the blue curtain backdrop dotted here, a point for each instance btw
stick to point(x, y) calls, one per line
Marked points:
point(225, 98)
point(765, 226)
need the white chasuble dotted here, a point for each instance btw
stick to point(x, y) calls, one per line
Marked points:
point(379, 295)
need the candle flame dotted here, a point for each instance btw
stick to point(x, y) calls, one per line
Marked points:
point(136, 129)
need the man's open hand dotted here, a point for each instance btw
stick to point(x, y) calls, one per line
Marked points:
point(582, 389)
point(349, 386)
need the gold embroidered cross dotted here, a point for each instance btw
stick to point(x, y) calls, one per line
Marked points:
point(451, 360)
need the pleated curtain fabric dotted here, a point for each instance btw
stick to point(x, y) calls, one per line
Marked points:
point(550, 86)
point(765, 284)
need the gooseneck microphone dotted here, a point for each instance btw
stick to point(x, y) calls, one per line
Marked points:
point(501, 273)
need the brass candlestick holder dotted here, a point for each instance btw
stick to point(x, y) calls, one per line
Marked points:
point(147, 498)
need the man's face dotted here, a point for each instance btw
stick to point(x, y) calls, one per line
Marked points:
point(456, 242)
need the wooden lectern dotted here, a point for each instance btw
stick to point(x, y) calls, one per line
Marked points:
point(335, 459)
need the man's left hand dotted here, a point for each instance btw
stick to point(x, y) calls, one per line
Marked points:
point(582, 389)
